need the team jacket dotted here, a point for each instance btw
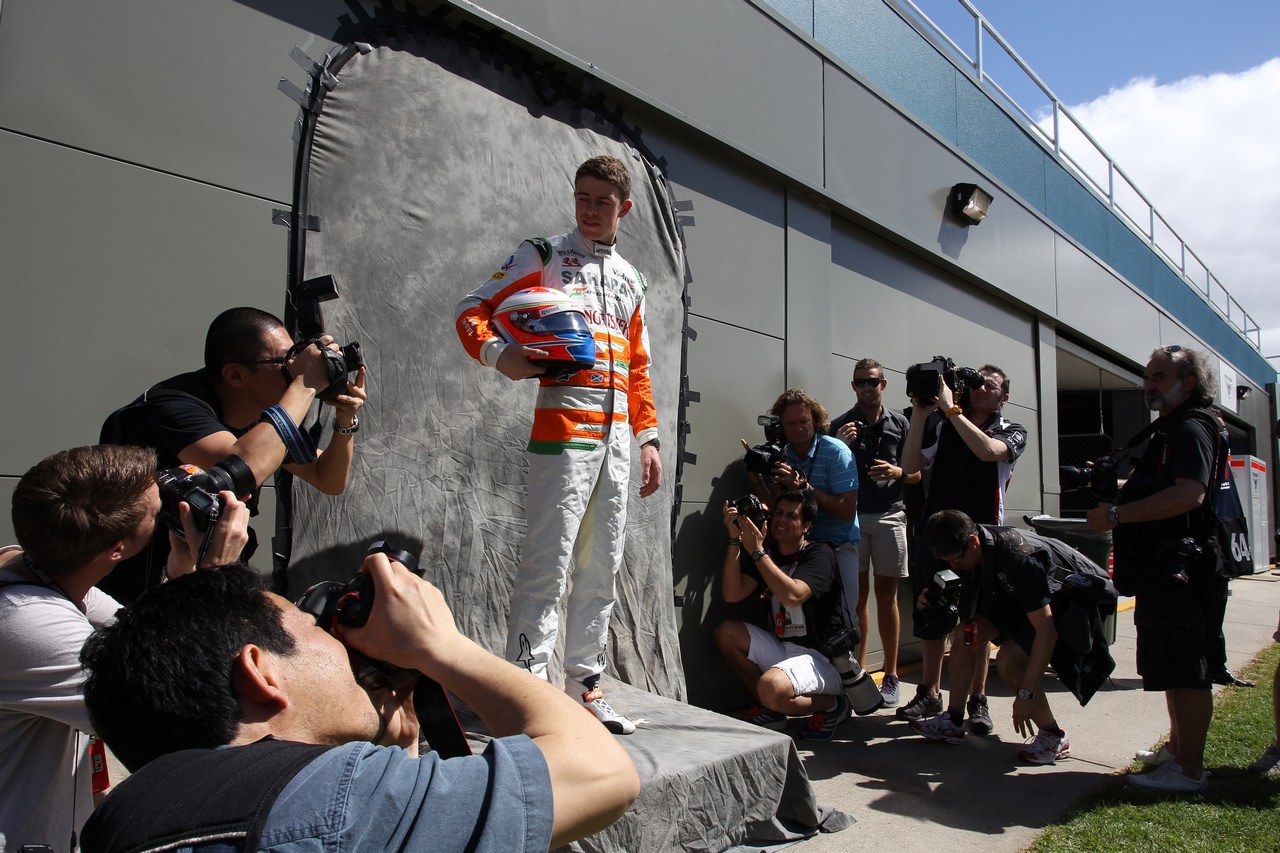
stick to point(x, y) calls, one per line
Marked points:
point(571, 408)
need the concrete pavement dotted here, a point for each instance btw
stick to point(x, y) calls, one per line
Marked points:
point(910, 794)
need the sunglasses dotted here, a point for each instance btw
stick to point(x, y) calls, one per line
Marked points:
point(866, 383)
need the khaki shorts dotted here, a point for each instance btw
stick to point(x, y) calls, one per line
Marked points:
point(883, 549)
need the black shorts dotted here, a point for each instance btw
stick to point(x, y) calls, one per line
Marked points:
point(1173, 630)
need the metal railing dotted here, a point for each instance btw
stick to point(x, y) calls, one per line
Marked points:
point(1073, 145)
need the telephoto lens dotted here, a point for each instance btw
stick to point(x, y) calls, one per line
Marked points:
point(859, 687)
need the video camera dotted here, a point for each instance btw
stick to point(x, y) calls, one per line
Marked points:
point(922, 380)
point(762, 457)
point(350, 604)
point(306, 299)
point(1099, 477)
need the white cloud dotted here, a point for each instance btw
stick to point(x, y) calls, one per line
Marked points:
point(1206, 152)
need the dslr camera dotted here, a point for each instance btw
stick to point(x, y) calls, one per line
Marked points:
point(942, 613)
point(349, 604)
point(762, 457)
point(750, 506)
point(199, 488)
point(306, 299)
point(1099, 477)
point(922, 379)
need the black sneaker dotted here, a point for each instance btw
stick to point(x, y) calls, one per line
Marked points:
point(922, 707)
point(979, 717)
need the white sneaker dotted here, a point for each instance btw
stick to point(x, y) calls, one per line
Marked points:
point(1169, 777)
point(593, 700)
point(1154, 757)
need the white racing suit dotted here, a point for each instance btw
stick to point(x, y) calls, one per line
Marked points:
point(579, 451)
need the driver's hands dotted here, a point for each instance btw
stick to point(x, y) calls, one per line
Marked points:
point(513, 362)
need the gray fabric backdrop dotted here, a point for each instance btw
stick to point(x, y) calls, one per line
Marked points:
point(429, 166)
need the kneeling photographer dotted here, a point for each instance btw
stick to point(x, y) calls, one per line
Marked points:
point(255, 389)
point(245, 669)
point(1160, 532)
point(787, 655)
point(1042, 602)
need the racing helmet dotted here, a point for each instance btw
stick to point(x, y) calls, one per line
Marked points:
point(548, 319)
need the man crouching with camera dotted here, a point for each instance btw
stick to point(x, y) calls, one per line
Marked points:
point(778, 661)
point(1026, 586)
point(240, 667)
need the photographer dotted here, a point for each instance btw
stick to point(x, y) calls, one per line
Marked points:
point(1160, 558)
point(247, 400)
point(1027, 586)
point(77, 515)
point(780, 663)
point(823, 466)
point(875, 435)
point(302, 764)
point(971, 463)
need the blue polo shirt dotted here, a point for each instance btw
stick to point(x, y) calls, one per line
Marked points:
point(831, 468)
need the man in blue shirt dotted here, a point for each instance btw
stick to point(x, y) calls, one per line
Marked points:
point(238, 712)
point(824, 466)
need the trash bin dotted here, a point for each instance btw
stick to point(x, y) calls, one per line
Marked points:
point(1076, 532)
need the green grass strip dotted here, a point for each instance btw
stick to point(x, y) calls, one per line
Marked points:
point(1240, 811)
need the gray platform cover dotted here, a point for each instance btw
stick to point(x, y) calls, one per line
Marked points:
point(431, 162)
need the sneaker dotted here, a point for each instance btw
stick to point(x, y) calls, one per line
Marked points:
point(1269, 763)
point(939, 727)
point(922, 707)
point(979, 717)
point(1169, 777)
point(889, 691)
point(1046, 748)
point(759, 715)
point(593, 700)
point(1154, 757)
point(822, 725)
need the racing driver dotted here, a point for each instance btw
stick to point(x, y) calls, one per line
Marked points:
point(579, 452)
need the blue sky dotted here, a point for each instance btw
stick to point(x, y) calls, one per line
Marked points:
point(1185, 96)
point(1083, 48)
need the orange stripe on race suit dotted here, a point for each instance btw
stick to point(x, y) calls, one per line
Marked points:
point(570, 424)
point(475, 325)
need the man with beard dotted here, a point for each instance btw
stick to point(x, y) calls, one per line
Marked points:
point(1158, 533)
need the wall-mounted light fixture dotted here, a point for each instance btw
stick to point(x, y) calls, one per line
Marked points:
point(1243, 392)
point(969, 203)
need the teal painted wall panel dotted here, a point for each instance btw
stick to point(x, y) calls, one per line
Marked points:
point(986, 134)
point(871, 39)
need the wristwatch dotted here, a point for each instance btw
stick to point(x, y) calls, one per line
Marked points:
point(1024, 693)
point(1113, 515)
point(351, 430)
point(654, 443)
point(757, 554)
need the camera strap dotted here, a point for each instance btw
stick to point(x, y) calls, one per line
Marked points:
point(47, 581)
